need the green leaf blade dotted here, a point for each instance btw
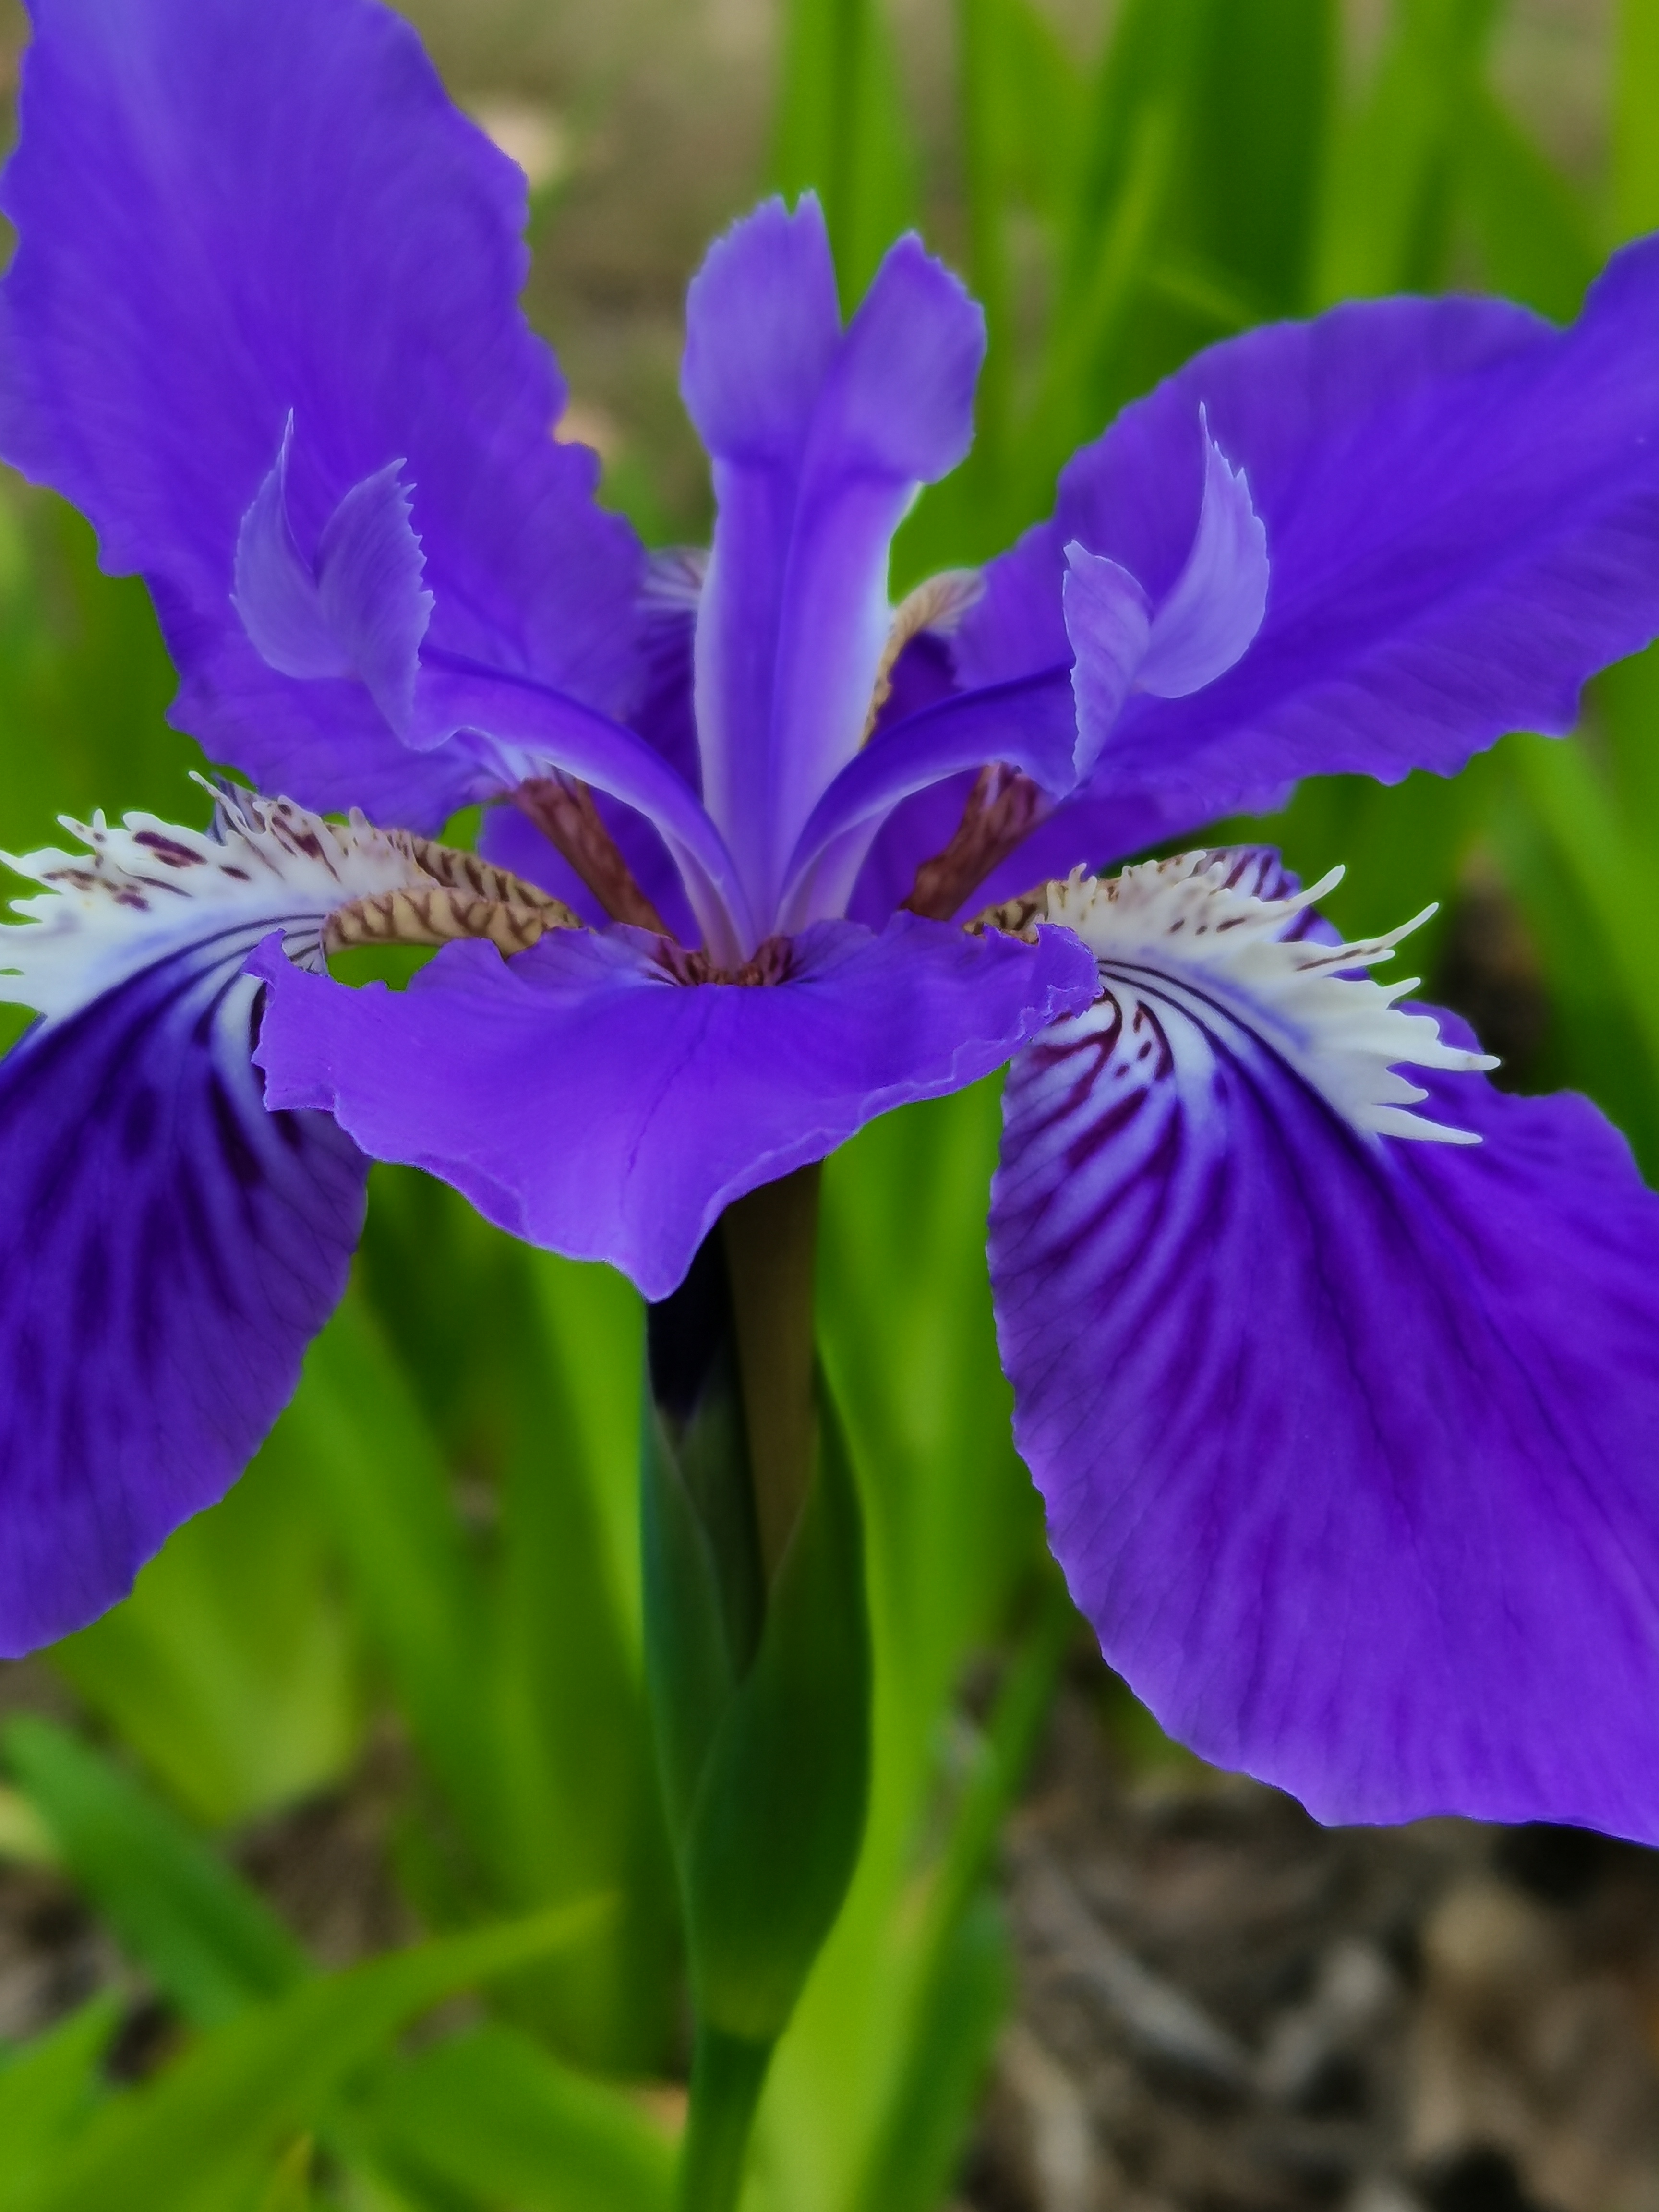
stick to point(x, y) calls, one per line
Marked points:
point(209, 1941)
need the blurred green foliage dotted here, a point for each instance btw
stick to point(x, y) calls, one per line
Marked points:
point(434, 1565)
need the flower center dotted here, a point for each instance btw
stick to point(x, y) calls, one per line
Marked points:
point(771, 962)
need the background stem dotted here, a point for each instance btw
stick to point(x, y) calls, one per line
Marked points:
point(771, 1243)
point(727, 2072)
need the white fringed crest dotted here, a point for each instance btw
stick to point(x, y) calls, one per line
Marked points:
point(145, 889)
point(1197, 928)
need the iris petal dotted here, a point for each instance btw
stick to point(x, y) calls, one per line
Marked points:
point(1031, 725)
point(218, 208)
point(1215, 953)
point(811, 481)
point(1347, 1444)
point(1109, 624)
point(362, 611)
point(1215, 605)
point(276, 593)
point(167, 1246)
point(585, 1100)
point(1459, 503)
point(167, 1249)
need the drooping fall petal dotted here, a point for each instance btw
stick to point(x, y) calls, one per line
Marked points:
point(1347, 1441)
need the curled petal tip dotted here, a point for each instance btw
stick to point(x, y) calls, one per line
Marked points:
point(361, 609)
point(1215, 606)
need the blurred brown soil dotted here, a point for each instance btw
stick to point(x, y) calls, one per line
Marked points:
point(1225, 2008)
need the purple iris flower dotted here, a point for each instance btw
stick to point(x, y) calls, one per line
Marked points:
point(1350, 1440)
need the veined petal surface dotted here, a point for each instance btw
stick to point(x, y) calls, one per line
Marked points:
point(584, 1099)
point(167, 1246)
point(229, 214)
point(1460, 504)
point(1347, 1442)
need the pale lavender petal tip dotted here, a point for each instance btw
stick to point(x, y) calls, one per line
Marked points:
point(276, 590)
point(761, 325)
point(901, 403)
point(369, 571)
point(1215, 605)
point(360, 610)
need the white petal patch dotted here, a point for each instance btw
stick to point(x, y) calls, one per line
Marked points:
point(1205, 934)
point(145, 890)
point(674, 578)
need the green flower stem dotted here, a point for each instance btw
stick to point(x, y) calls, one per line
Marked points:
point(771, 1244)
point(757, 1650)
point(727, 2072)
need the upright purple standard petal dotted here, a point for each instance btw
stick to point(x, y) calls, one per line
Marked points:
point(818, 442)
point(898, 412)
point(231, 214)
point(1460, 505)
point(762, 325)
point(1348, 1443)
point(584, 1099)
